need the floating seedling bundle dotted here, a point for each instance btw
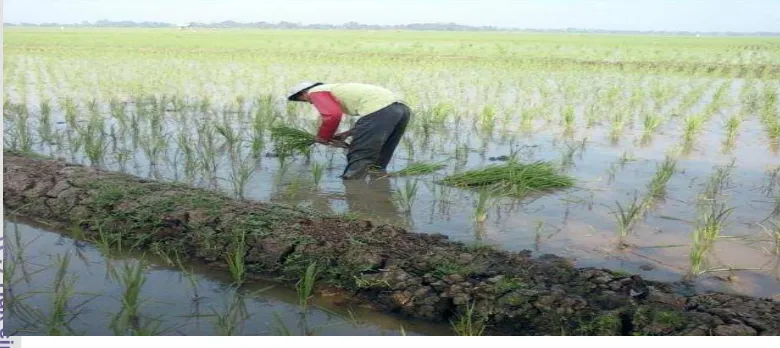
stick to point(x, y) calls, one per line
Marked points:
point(512, 178)
point(419, 168)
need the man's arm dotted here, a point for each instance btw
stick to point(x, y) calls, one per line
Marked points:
point(331, 113)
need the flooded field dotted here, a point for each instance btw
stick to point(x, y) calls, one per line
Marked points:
point(61, 286)
point(674, 143)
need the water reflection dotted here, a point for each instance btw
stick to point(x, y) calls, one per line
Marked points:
point(373, 199)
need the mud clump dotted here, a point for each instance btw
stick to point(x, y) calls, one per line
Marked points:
point(419, 275)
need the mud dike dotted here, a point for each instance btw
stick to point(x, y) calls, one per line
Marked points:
point(416, 275)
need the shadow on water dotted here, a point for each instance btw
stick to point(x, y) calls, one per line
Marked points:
point(174, 300)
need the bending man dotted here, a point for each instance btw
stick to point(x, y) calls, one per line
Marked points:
point(375, 136)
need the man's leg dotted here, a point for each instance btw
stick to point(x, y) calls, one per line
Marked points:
point(370, 134)
point(395, 138)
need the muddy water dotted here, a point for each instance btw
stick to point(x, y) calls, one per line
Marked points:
point(173, 303)
point(577, 223)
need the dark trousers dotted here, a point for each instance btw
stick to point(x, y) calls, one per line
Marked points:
point(374, 140)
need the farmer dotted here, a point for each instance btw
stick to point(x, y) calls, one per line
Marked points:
point(375, 135)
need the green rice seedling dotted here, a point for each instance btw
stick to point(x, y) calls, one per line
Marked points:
point(235, 257)
point(207, 147)
point(773, 232)
point(626, 217)
point(242, 170)
point(651, 122)
point(732, 125)
point(305, 286)
point(512, 178)
point(94, 107)
point(419, 168)
point(487, 118)
point(568, 116)
point(22, 137)
point(708, 228)
point(95, 141)
point(468, 323)
point(63, 291)
point(317, 170)
point(772, 182)
point(230, 135)
point(567, 158)
point(132, 279)
point(289, 141)
point(485, 201)
point(662, 175)
point(693, 125)
point(407, 195)
point(70, 112)
point(280, 327)
point(591, 115)
point(773, 129)
point(618, 125)
point(230, 321)
point(711, 218)
point(104, 240)
point(45, 126)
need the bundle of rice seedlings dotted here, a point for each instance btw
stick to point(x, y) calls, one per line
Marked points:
point(289, 141)
point(419, 168)
point(512, 178)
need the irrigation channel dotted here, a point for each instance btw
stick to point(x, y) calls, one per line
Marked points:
point(354, 263)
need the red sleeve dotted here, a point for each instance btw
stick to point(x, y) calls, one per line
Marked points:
point(331, 112)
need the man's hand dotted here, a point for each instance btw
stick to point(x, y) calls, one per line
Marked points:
point(343, 135)
point(322, 141)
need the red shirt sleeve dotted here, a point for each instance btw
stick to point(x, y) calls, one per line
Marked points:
point(330, 110)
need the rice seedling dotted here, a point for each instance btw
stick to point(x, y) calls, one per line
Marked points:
point(487, 117)
point(485, 201)
point(773, 232)
point(693, 125)
point(235, 257)
point(230, 135)
point(567, 158)
point(63, 290)
point(407, 195)
point(710, 220)
point(21, 137)
point(280, 327)
point(317, 171)
point(419, 168)
point(708, 228)
point(662, 175)
point(568, 116)
point(512, 179)
point(94, 139)
point(651, 122)
point(132, 279)
point(305, 286)
point(626, 217)
point(45, 126)
point(732, 125)
point(229, 321)
point(290, 141)
point(242, 170)
point(468, 323)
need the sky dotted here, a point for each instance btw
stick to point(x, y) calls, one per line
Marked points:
point(661, 15)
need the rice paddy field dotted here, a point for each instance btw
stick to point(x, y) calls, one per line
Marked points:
point(652, 155)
